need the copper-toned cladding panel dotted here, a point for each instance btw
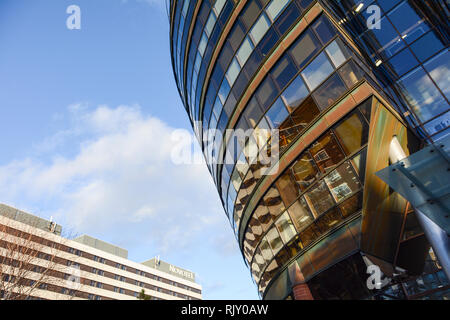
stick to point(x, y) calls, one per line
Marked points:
point(383, 209)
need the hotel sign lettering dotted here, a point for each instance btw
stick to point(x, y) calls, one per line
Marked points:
point(181, 272)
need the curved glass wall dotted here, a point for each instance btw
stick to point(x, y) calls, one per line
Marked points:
point(242, 74)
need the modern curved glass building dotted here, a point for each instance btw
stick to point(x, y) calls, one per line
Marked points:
point(346, 83)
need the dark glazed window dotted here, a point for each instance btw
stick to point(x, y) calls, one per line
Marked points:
point(353, 133)
point(237, 35)
point(250, 14)
point(304, 48)
point(304, 114)
point(253, 112)
point(287, 18)
point(407, 22)
point(427, 46)
point(324, 29)
point(326, 152)
point(329, 91)
point(283, 71)
point(329, 219)
point(309, 234)
point(351, 205)
point(266, 93)
point(350, 73)
point(402, 62)
point(287, 187)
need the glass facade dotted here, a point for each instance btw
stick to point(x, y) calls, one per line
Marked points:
point(328, 83)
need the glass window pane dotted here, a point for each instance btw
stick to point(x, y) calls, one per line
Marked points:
point(288, 189)
point(287, 132)
point(253, 112)
point(335, 53)
point(318, 70)
point(233, 71)
point(353, 133)
point(244, 51)
point(329, 91)
point(319, 199)
point(440, 123)
point(274, 240)
point(309, 235)
point(408, 22)
point(295, 93)
point(304, 48)
point(275, 7)
point(439, 69)
point(236, 35)
point(304, 171)
point(326, 152)
point(427, 46)
point(329, 219)
point(300, 214)
point(210, 23)
point(351, 205)
point(350, 73)
point(202, 45)
point(402, 62)
point(422, 95)
point(285, 227)
point(386, 40)
point(251, 13)
point(277, 114)
point(224, 90)
point(303, 115)
point(324, 29)
point(266, 93)
point(259, 29)
point(283, 71)
point(343, 181)
point(265, 249)
point(273, 202)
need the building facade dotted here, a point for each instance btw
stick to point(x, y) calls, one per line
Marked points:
point(36, 262)
point(340, 81)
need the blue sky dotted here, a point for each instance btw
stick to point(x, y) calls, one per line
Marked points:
point(87, 117)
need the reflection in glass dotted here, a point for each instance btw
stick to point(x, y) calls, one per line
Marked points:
point(285, 227)
point(300, 214)
point(353, 133)
point(309, 234)
point(351, 205)
point(350, 73)
point(329, 91)
point(304, 171)
point(287, 187)
point(319, 69)
point(274, 239)
point(326, 152)
point(342, 181)
point(422, 95)
point(319, 199)
point(294, 93)
point(303, 115)
point(329, 219)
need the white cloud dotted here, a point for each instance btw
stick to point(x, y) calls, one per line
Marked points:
point(120, 177)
